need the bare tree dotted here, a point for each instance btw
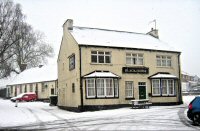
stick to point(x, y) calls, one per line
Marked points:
point(10, 18)
point(20, 46)
point(31, 50)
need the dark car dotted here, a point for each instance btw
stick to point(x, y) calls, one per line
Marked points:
point(193, 112)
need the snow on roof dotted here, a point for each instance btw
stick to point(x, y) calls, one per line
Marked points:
point(185, 73)
point(37, 74)
point(6, 81)
point(101, 74)
point(164, 76)
point(112, 38)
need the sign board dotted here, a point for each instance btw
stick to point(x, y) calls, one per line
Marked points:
point(135, 70)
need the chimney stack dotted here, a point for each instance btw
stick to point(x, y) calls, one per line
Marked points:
point(68, 24)
point(154, 33)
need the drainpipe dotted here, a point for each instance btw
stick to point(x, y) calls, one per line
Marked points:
point(81, 83)
point(179, 81)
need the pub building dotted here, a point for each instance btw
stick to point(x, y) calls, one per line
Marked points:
point(102, 68)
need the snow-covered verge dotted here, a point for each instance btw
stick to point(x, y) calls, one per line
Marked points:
point(39, 115)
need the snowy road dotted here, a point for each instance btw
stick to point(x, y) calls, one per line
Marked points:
point(39, 115)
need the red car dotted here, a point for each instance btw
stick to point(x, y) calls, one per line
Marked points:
point(29, 96)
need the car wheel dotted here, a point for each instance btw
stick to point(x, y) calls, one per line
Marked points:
point(196, 119)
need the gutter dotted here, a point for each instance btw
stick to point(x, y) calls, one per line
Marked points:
point(179, 82)
point(81, 83)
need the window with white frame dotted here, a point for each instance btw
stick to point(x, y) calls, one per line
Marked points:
point(129, 89)
point(156, 87)
point(165, 88)
point(134, 59)
point(90, 88)
point(100, 57)
point(116, 84)
point(100, 88)
point(105, 87)
point(109, 87)
point(171, 87)
point(163, 61)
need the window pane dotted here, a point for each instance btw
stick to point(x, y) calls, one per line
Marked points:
point(101, 59)
point(109, 87)
point(108, 59)
point(116, 87)
point(169, 62)
point(128, 60)
point(107, 53)
point(158, 62)
point(171, 87)
point(72, 62)
point(163, 62)
point(90, 88)
point(100, 87)
point(164, 87)
point(94, 58)
point(101, 53)
point(93, 52)
point(156, 87)
point(129, 89)
point(140, 61)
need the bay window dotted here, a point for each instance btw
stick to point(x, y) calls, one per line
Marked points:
point(163, 87)
point(104, 87)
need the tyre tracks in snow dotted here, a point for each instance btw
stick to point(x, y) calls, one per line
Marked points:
point(60, 123)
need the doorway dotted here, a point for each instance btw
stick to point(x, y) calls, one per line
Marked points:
point(142, 90)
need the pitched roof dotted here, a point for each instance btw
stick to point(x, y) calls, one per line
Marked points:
point(163, 76)
point(113, 38)
point(101, 74)
point(6, 81)
point(37, 74)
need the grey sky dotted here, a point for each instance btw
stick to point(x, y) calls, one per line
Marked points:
point(177, 21)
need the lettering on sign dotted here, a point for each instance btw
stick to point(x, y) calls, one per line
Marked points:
point(136, 70)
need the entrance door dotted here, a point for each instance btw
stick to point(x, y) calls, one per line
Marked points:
point(142, 90)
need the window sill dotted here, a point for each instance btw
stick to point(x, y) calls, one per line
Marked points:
point(130, 98)
point(129, 65)
point(109, 64)
point(164, 67)
point(163, 95)
point(102, 97)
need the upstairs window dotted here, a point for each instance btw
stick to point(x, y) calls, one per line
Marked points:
point(164, 61)
point(72, 62)
point(134, 59)
point(100, 57)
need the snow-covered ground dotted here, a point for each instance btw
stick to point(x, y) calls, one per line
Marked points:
point(39, 115)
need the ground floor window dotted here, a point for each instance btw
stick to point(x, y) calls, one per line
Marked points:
point(163, 87)
point(129, 89)
point(90, 88)
point(102, 87)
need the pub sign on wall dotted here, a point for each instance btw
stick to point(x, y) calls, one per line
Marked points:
point(135, 70)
